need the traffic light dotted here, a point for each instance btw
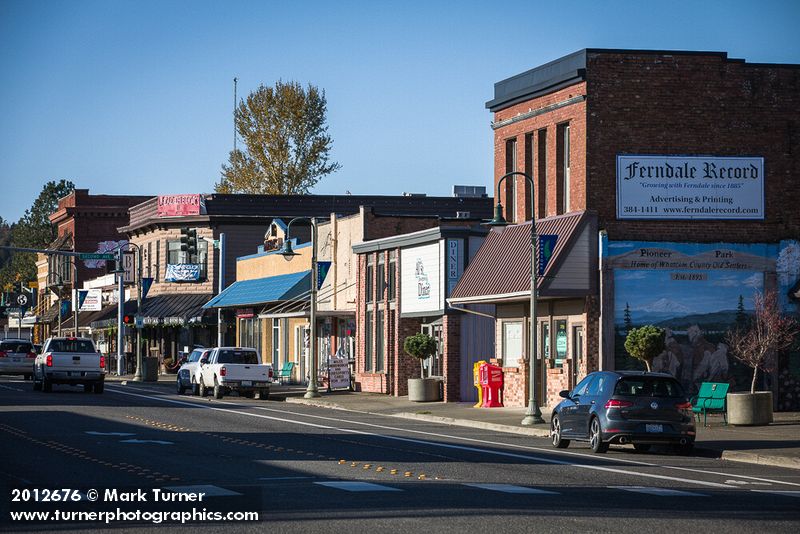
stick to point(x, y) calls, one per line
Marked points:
point(128, 319)
point(189, 241)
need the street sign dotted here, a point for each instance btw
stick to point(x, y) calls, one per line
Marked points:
point(95, 256)
point(139, 320)
point(22, 300)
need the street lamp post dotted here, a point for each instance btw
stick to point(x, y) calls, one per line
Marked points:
point(137, 377)
point(533, 415)
point(312, 391)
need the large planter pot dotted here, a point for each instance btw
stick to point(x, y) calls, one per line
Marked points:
point(750, 408)
point(423, 389)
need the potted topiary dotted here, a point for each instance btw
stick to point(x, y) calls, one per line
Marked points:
point(645, 343)
point(422, 389)
point(757, 345)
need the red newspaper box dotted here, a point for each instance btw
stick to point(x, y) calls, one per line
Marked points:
point(492, 377)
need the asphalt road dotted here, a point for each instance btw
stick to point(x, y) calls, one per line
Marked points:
point(307, 469)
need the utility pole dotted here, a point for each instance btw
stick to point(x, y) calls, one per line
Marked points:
point(221, 285)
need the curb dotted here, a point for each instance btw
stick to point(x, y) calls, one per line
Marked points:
point(761, 459)
point(541, 432)
point(733, 456)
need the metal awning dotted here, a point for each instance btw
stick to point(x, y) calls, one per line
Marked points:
point(263, 290)
point(500, 270)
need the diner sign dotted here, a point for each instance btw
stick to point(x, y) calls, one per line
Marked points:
point(690, 187)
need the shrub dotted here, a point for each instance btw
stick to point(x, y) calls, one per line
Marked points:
point(645, 343)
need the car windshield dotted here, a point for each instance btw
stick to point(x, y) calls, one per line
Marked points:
point(238, 356)
point(195, 355)
point(648, 386)
point(71, 345)
point(16, 346)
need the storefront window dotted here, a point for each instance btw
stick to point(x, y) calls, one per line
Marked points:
point(544, 348)
point(512, 343)
point(250, 334)
point(368, 341)
point(390, 275)
point(379, 340)
point(561, 342)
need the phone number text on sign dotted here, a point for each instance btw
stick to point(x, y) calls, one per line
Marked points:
point(690, 187)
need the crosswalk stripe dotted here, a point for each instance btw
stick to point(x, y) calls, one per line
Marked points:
point(662, 492)
point(209, 490)
point(509, 488)
point(779, 492)
point(357, 486)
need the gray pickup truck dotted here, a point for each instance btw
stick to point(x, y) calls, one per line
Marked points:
point(69, 360)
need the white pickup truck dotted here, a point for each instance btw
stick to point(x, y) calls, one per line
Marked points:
point(237, 369)
point(69, 360)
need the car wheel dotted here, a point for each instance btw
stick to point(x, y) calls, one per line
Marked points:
point(37, 386)
point(596, 437)
point(98, 387)
point(263, 394)
point(47, 386)
point(201, 389)
point(555, 433)
point(641, 447)
point(181, 388)
point(685, 449)
point(87, 388)
point(195, 389)
point(218, 393)
point(249, 394)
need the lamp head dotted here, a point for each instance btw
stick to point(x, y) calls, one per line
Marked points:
point(498, 219)
point(286, 251)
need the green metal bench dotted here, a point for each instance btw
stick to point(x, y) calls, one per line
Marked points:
point(711, 399)
point(285, 373)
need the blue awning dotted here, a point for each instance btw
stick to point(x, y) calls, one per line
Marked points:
point(263, 290)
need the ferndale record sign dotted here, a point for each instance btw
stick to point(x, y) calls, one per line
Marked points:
point(690, 187)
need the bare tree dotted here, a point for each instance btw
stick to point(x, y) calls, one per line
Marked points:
point(769, 332)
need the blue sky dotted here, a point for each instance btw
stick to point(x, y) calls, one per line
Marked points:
point(136, 97)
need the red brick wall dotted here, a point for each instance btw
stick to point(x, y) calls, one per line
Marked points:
point(575, 115)
point(451, 341)
point(691, 104)
point(515, 385)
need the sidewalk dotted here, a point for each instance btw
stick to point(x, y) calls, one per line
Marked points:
point(777, 444)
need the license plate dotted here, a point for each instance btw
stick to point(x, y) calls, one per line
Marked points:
point(247, 383)
point(654, 428)
point(17, 360)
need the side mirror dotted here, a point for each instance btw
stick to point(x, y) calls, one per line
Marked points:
point(564, 393)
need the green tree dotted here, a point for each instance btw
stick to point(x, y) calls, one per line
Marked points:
point(420, 346)
point(33, 231)
point(286, 142)
point(645, 343)
point(741, 316)
point(628, 321)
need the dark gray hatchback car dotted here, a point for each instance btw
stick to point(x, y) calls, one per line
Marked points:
point(621, 407)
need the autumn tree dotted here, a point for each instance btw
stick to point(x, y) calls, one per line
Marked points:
point(286, 140)
point(33, 231)
point(768, 333)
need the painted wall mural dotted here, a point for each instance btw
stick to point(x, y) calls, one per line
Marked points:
point(697, 292)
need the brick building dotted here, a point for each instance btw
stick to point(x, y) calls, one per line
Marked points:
point(155, 227)
point(403, 283)
point(84, 223)
point(688, 161)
